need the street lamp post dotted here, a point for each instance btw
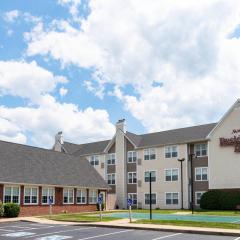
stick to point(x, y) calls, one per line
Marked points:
point(191, 155)
point(181, 161)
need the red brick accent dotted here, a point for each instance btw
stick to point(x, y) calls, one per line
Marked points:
point(40, 196)
point(58, 196)
point(1, 192)
point(21, 195)
point(44, 210)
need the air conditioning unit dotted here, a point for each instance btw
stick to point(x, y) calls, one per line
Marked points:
point(139, 183)
point(139, 161)
point(102, 165)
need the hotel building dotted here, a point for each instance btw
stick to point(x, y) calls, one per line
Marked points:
point(126, 160)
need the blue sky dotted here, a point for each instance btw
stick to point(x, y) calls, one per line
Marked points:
point(79, 66)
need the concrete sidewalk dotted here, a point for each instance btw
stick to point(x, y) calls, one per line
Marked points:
point(124, 223)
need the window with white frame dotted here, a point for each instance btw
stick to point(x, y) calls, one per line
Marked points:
point(132, 177)
point(172, 198)
point(93, 194)
point(94, 160)
point(149, 154)
point(147, 198)
point(111, 178)
point(171, 152)
point(111, 159)
point(81, 196)
point(200, 149)
point(132, 156)
point(11, 194)
point(147, 176)
point(68, 195)
point(30, 195)
point(201, 174)
point(47, 193)
point(133, 197)
point(171, 175)
point(198, 196)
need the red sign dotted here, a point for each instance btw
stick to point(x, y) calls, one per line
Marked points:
point(233, 141)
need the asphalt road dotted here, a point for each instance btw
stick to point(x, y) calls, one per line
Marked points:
point(30, 231)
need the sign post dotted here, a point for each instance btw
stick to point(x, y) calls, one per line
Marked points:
point(129, 201)
point(100, 201)
point(50, 202)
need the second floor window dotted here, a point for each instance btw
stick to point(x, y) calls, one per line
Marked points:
point(149, 154)
point(132, 177)
point(94, 160)
point(171, 175)
point(111, 179)
point(171, 152)
point(111, 159)
point(132, 156)
point(200, 149)
point(147, 176)
point(201, 174)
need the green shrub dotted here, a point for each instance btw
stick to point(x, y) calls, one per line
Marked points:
point(11, 210)
point(103, 207)
point(220, 200)
point(1, 209)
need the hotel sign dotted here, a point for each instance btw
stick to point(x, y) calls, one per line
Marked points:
point(232, 141)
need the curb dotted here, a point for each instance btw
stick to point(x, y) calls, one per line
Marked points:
point(164, 229)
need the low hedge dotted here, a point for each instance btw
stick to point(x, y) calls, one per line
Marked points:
point(220, 200)
point(11, 210)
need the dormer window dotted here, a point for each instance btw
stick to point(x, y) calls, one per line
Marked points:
point(94, 160)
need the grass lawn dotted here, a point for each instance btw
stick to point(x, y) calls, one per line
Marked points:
point(191, 224)
point(80, 217)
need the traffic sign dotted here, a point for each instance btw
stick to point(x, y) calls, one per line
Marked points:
point(100, 199)
point(50, 200)
point(129, 202)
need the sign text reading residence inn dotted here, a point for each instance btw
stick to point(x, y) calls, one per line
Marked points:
point(232, 141)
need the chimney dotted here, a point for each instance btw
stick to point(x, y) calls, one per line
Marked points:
point(121, 124)
point(58, 142)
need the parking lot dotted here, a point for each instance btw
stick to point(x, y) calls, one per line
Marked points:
point(36, 231)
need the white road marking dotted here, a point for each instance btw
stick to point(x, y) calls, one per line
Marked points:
point(63, 231)
point(106, 234)
point(54, 237)
point(18, 234)
point(236, 238)
point(168, 236)
point(6, 230)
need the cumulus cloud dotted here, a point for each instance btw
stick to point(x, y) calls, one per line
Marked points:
point(63, 91)
point(177, 55)
point(11, 15)
point(43, 116)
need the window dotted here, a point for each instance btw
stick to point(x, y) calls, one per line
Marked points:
point(198, 196)
point(11, 194)
point(132, 177)
point(81, 196)
point(111, 159)
point(68, 194)
point(171, 175)
point(171, 198)
point(201, 174)
point(94, 160)
point(133, 197)
point(132, 157)
point(200, 149)
point(171, 152)
point(147, 176)
point(48, 193)
point(111, 179)
point(149, 154)
point(147, 198)
point(93, 196)
point(30, 195)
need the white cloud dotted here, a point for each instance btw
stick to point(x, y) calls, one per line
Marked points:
point(27, 80)
point(11, 15)
point(73, 7)
point(182, 45)
point(63, 91)
point(45, 120)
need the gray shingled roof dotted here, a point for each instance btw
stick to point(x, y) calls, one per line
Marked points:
point(176, 136)
point(26, 164)
point(85, 149)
